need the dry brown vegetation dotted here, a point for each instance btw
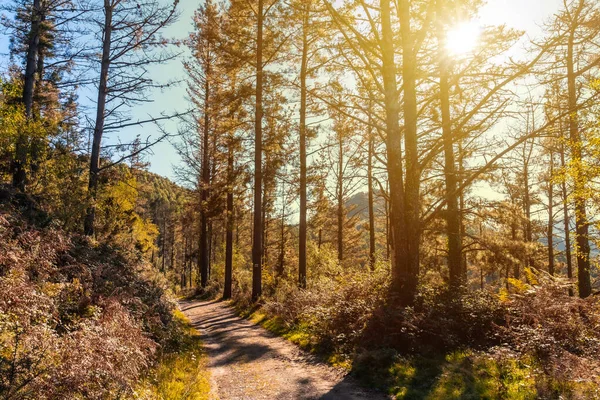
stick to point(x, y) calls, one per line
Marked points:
point(78, 319)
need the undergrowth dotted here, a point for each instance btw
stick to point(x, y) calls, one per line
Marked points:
point(535, 342)
point(180, 373)
point(81, 319)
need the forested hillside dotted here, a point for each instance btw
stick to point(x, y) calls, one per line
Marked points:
point(407, 190)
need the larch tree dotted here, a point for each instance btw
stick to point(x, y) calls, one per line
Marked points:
point(576, 34)
point(258, 38)
point(203, 86)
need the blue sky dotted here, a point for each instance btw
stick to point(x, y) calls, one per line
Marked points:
point(521, 14)
point(163, 155)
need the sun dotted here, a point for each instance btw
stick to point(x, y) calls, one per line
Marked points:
point(463, 38)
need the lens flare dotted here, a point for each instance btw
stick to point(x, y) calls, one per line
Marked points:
point(463, 38)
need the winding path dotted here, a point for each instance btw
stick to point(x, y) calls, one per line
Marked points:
point(248, 362)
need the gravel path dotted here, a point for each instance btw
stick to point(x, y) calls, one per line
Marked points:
point(248, 362)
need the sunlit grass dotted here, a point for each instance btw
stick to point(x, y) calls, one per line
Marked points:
point(460, 375)
point(296, 335)
point(457, 375)
point(181, 372)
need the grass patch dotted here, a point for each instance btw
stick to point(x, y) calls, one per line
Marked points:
point(180, 373)
point(297, 335)
point(457, 375)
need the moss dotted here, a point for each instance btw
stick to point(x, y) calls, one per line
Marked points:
point(181, 372)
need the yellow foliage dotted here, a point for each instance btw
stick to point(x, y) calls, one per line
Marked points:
point(144, 233)
point(518, 285)
point(503, 295)
point(531, 277)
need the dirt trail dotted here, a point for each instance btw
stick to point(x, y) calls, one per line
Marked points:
point(248, 362)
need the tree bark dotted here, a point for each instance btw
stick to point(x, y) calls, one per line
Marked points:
point(453, 223)
point(281, 261)
point(257, 234)
point(371, 201)
point(340, 199)
point(394, 156)
point(164, 243)
point(229, 234)
point(90, 218)
point(407, 279)
point(205, 180)
point(19, 178)
point(551, 217)
point(302, 223)
point(581, 222)
point(566, 219)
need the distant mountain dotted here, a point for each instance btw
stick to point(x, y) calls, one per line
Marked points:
point(358, 203)
point(156, 189)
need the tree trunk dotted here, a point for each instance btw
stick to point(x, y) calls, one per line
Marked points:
point(191, 262)
point(407, 259)
point(302, 223)
point(37, 144)
point(281, 261)
point(400, 273)
point(173, 248)
point(340, 200)
point(457, 278)
point(566, 219)
point(90, 218)
point(461, 207)
point(581, 223)
point(211, 246)
point(229, 234)
point(204, 183)
point(185, 261)
point(528, 230)
point(20, 160)
point(320, 238)
point(257, 234)
point(516, 269)
point(164, 243)
point(527, 208)
point(265, 224)
point(551, 217)
point(387, 228)
point(371, 201)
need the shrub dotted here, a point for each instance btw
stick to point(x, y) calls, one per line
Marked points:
point(77, 320)
point(562, 331)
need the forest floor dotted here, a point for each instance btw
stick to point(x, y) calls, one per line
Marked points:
point(248, 362)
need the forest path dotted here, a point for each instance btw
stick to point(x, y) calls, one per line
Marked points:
point(248, 362)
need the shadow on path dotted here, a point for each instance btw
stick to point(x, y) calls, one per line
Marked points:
point(248, 362)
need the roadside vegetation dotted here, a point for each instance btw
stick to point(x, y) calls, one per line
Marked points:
point(534, 342)
point(180, 372)
point(81, 319)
